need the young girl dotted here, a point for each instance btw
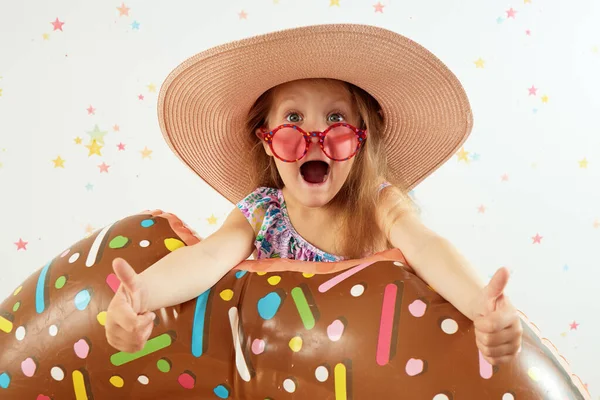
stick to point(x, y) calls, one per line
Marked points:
point(323, 157)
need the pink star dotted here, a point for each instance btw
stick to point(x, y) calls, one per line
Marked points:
point(57, 25)
point(121, 146)
point(243, 15)
point(511, 13)
point(532, 90)
point(537, 239)
point(103, 167)
point(574, 325)
point(481, 209)
point(141, 97)
point(528, 32)
point(504, 177)
point(378, 7)
point(91, 110)
point(116, 128)
point(21, 244)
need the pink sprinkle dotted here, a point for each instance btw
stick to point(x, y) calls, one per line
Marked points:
point(417, 308)
point(28, 367)
point(258, 346)
point(414, 367)
point(82, 348)
point(485, 368)
point(113, 282)
point(186, 380)
point(335, 330)
point(386, 324)
point(325, 286)
point(64, 253)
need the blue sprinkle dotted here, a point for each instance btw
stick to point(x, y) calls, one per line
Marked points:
point(221, 392)
point(4, 380)
point(147, 223)
point(269, 305)
point(82, 299)
point(239, 274)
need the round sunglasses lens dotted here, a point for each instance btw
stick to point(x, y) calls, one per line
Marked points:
point(340, 143)
point(289, 144)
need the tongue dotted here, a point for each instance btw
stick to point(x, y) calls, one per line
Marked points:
point(314, 171)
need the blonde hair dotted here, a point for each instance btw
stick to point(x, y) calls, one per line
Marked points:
point(355, 205)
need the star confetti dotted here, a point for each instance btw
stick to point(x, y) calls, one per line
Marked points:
point(97, 134)
point(0, 92)
point(91, 110)
point(116, 128)
point(89, 187)
point(94, 148)
point(77, 140)
point(537, 239)
point(123, 10)
point(57, 25)
point(334, 3)
point(140, 97)
point(103, 167)
point(121, 146)
point(573, 325)
point(46, 36)
point(545, 98)
point(21, 245)
point(212, 220)
point(481, 209)
point(151, 88)
point(596, 224)
point(583, 163)
point(135, 26)
point(479, 63)
point(243, 15)
point(463, 155)
point(510, 13)
point(146, 152)
point(58, 162)
point(504, 178)
point(532, 90)
point(378, 7)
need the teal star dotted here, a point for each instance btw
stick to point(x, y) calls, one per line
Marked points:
point(97, 134)
point(565, 268)
point(89, 186)
point(500, 20)
point(135, 25)
point(475, 156)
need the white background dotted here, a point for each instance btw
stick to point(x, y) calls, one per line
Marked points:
point(49, 78)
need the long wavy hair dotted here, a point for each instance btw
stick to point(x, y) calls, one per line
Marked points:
point(354, 208)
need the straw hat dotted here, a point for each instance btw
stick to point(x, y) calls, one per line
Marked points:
point(204, 101)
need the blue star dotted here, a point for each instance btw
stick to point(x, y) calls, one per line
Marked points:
point(535, 110)
point(89, 186)
point(565, 268)
point(500, 20)
point(475, 156)
point(135, 25)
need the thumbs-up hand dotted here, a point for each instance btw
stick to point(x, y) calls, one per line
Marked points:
point(128, 320)
point(498, 329)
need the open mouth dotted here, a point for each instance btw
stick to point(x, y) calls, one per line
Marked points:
point(315, 171)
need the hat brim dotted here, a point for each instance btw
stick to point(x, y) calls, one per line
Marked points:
point(203, 103)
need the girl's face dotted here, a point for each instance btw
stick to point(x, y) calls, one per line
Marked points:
point(313, 106)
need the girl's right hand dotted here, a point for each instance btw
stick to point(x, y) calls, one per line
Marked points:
point(129, 323)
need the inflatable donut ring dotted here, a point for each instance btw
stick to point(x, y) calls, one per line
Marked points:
point(273, 329)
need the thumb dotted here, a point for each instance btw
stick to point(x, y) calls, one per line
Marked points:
point(125, 273)
point(495, 288)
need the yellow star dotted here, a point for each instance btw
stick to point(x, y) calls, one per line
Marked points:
point(545, 98)
point(212, 220)
point(58, 162)
point(151, 88)
point(334, 3)
point(527, 1)
point(77, 140)
point(46, 36)
point(89, 229)
point(275, 1)
point(479, 63)
point(534, 165)
point(463, 155)
point(595, 49)
point(146, 152)
point(94, 148)
point(0, 92)
point(1, 165)
point(563, 334)
point(583, 163)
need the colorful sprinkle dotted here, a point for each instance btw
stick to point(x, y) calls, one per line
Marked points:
point(82, 299)
point(17, 290)
point(308, 274)
point(449, 326)
point(144, 243)
point(57, 373)
point(268, 305)
point(485, 368)
point(417, 308)
point(274, 280)
point(261, 273)
point(53, 330)
point(357, 290)
point(340, 386)
point(163, 365)
point(28, 366)
point(147, 223)
point(74, 257)
point(16, 306)
point(113, 282)
point(173, 244)
point(386, 325)
point(95, 248)
point(414, 367)
point(118, 242)
point(335, 330)
point(157, 343)
point(226, 294)
point(5, 325)
point(60, 282)
point(303, 308)
point(4, 380)
point(295, 344)
point(258, 346)
point(240, 360)
point(322, 373)
point(101, 317)
point(221, 392)
point(239, 274)
point(325, 286)
point(440, 396)
point(20, 333)
point(82, 348)
point(198, 324)
point(508, 396)
point(187, 380)
point(40, 289)
point(80, 382)
point(143, 379)
point(116, 381)
point(64, 253)
point(289, 385)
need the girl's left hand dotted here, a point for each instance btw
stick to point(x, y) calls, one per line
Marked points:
point(498, 329)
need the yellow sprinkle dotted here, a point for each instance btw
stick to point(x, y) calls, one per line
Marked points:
point(173, 244)
point(534, 373)
point(17, 290)
point(261, 273)
point(296, 344)
point(5, 325)
point(307, 275)
point(274, 280)
point(117, 381)
point(226, 294)
point(101, 317)
point(79, 385)
point(340, 382)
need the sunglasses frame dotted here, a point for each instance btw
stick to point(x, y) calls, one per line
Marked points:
point(361, 135)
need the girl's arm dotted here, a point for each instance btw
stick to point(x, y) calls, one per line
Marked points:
point(190, 271)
